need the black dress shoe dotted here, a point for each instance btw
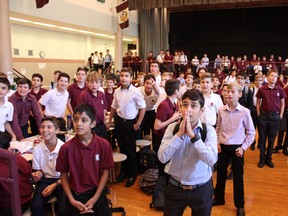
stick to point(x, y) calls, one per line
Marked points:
point(240, 212)
point(130, 181)
point(261, 164)
point(277, 148)
point(218, 202)
point(270, 164)
point(120, 177)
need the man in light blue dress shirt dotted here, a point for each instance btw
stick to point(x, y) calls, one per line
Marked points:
point(190, 160)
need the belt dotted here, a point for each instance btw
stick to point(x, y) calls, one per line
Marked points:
point(92, 191)
point(126, 120)
point(270, 113)
point(184, 187)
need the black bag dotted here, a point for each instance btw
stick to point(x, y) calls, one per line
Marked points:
point(116, 209)
point(148, 158)
point(148, 180)
point(159, 192)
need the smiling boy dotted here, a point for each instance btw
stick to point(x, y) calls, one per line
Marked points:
point(55, 100)
point(24, 103)
point(84, 163)
point(189, 160)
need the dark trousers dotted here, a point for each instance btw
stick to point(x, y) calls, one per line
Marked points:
point(24, 130)
point(33, 126)
point(227, 153)
point(148, 122)
point(199, 200)
point(282, 130)
point(100, 130)
point(107, 64)
point(126, 139)
point(38, 201)
point(101, 207)
point(156, 140)
point(268, 128)
point(255, 120)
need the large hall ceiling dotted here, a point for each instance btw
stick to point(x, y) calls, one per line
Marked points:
point(194, 5)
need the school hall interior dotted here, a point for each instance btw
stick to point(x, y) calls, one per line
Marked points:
point(63, 34)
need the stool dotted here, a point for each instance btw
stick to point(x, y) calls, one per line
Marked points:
point(148, 137)
point(142, 143)
point(52, 201)
point(117, 157)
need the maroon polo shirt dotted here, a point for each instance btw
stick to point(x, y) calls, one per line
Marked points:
point(151, 59)
point(286, 98)
point(38, 95)
point(74, 93)
point(99, 103)
point(85, 163)
point(109, 99)
point(136, 59)
point(165, 111)
point(168, 58)
point(22, 111)
point(25, 186)
point(270, 98)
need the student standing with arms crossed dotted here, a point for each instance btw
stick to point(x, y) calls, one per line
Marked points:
point(129, 106)
point(270, 108)
point(233, 141)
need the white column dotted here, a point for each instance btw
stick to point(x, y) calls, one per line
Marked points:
point(118, 59)
point(6, 65)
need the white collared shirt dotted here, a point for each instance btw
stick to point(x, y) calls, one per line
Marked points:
point(55, 103)
point(45, 160)
point(190, 163)
point(6, 113)
point(212, 104)
point(127, 102)
point(150, 100)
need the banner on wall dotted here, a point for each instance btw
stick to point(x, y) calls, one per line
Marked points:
point(123, 14)
point(41, 3)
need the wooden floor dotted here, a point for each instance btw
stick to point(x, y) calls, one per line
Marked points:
point(266, 191)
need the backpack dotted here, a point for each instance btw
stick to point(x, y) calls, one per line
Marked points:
point(162, 181)
point(203, 131)
point(148, 180)
point(148, 158)
point(159, 192)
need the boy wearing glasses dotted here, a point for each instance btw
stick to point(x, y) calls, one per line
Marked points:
point(190, 160)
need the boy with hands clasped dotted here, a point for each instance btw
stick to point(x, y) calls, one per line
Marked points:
point(189, 160)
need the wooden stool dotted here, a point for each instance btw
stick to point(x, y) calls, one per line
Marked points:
point(117, 157)
point(52, 201)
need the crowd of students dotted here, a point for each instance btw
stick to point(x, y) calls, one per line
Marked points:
point(203, 102)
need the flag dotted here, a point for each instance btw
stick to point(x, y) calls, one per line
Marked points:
point(123, 14)
point(41, 3)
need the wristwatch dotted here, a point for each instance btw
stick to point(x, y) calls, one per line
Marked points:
point(195, 138)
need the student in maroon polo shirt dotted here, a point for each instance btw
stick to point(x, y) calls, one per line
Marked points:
point(76, 89)
point(167, 111)
point(96, 99)
point(37, 91)
point(109, 92)
point(270, 108)
point(24, 104)
point(24, 173)
point(84, 163)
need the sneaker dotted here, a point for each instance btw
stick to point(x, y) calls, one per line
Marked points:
point(270, 164)
point(261, 164)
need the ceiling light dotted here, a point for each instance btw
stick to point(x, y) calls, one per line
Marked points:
point(20, 20)
point(44, 24)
